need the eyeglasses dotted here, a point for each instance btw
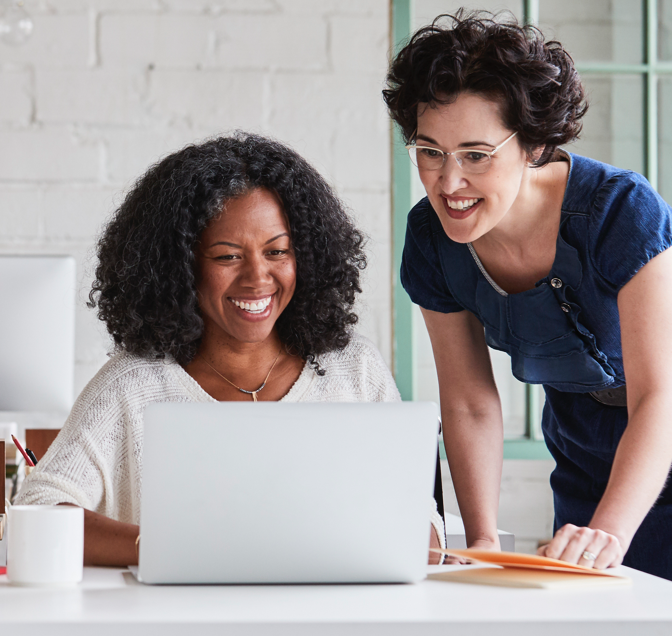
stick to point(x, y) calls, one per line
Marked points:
point(471, 161)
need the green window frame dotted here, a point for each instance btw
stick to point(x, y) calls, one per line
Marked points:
point(531, 445)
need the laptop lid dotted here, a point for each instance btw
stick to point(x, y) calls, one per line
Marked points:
point(237, 492)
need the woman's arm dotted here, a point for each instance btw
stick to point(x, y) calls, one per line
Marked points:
point(108, 542)
point(644, 454)
point(472, 420)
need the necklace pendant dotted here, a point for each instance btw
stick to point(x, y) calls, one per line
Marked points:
point(235, 386)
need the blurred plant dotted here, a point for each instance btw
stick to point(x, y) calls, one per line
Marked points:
point(16, 25)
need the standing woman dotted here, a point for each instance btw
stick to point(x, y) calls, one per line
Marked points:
point(560, 261)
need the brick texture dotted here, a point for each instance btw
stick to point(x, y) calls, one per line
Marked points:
point(105, 88)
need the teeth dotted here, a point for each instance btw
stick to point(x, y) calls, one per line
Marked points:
point(462, 205)
point(254, 307)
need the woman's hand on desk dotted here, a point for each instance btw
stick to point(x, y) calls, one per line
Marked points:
point(450, 559)
point(579, 545)
point(478, 544)
point(108, 542)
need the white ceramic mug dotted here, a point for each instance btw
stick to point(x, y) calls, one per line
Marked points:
point(45, 545)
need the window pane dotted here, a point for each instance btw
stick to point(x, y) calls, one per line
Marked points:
point(613, 130)
point(665, 30)
point(595, 30)
point(665, 138)
point(426, 10)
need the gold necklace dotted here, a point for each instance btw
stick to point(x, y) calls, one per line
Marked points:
point(252, 393)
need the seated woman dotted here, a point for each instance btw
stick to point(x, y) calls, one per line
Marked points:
point(228, 273)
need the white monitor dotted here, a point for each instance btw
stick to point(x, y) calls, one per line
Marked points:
point(37, 333)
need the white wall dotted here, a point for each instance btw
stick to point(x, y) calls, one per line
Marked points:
point(104, 88)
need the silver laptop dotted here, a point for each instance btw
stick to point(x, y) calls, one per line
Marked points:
point(287, 493)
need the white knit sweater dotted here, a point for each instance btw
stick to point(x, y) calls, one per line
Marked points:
point(96, 460)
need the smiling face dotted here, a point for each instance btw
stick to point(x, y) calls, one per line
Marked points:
point(470, 205)
point(246, 269)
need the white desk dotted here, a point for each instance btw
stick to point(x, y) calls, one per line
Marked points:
point(111, 602)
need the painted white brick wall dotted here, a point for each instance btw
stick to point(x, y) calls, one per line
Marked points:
point(104, 88)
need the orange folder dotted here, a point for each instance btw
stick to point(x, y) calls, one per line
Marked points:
point(525, 570)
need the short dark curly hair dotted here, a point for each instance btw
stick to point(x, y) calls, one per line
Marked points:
point(534, 81)
point(145, 285)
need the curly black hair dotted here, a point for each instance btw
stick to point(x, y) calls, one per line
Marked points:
point(535, 82)
point(145, 285)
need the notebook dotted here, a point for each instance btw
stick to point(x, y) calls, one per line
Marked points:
point(238, 492)
point(513, 569)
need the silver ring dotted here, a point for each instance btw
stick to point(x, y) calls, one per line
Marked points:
point(588, 556)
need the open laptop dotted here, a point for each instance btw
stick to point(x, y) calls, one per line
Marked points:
point(271, 492)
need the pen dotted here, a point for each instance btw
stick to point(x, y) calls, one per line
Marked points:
point(31, 455)
point(23, 452)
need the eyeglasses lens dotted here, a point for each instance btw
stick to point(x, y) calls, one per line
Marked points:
point(469, 161)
